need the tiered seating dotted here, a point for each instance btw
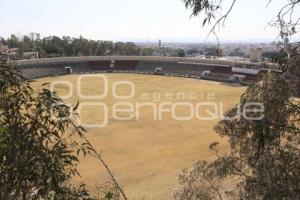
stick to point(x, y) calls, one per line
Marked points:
point(147, 66)
point(127, 65)
point(174, 68)
point(251, 79)
point(219, 76)
point(99, 65)
point(52, 69)
point(194, 70)
point(33, 72)
point(80, 67)
point(220, 73)
point(28, 73)
point(222, 70)
point(169, 68)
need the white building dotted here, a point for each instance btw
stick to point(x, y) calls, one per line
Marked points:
point(3, 47)
point(255, 54)
point(31, 55)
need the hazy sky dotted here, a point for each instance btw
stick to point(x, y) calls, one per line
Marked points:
point(134, 20)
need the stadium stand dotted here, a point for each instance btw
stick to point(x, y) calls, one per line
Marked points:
point(217, 70)
point(220, 73)
point(174, 68)
point(98, 66)
point(125, 65)
point(32, 72)
point(147, 66)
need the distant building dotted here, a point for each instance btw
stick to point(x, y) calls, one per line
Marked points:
point(3, 47)
point(31, 55)
point(159, 44)
point(255, 54)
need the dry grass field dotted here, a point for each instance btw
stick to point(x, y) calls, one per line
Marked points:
point(146, 155)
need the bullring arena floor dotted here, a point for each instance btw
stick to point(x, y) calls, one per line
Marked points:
point(146, 155)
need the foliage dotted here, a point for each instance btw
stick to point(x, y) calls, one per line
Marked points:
point(238, 52)
point(287, 21)
point(289, 60)
point(37, 149)
point(213, 11)
point(39, 143)
point(54, 46)
point(270, 55)
point(197, 183)
point(108, 191)
point(172, 52)
point(264, 159)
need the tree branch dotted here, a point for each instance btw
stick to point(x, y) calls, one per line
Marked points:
point(106, 166)
point(223, 18)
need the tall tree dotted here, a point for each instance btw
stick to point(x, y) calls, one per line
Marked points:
point(264, 159)
point(40, 144)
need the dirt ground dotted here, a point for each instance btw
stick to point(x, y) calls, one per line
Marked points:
point(146, 155)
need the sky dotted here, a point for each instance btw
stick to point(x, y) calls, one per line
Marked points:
point(134, 20)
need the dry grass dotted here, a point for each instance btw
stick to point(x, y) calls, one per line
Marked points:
point(147, 155)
